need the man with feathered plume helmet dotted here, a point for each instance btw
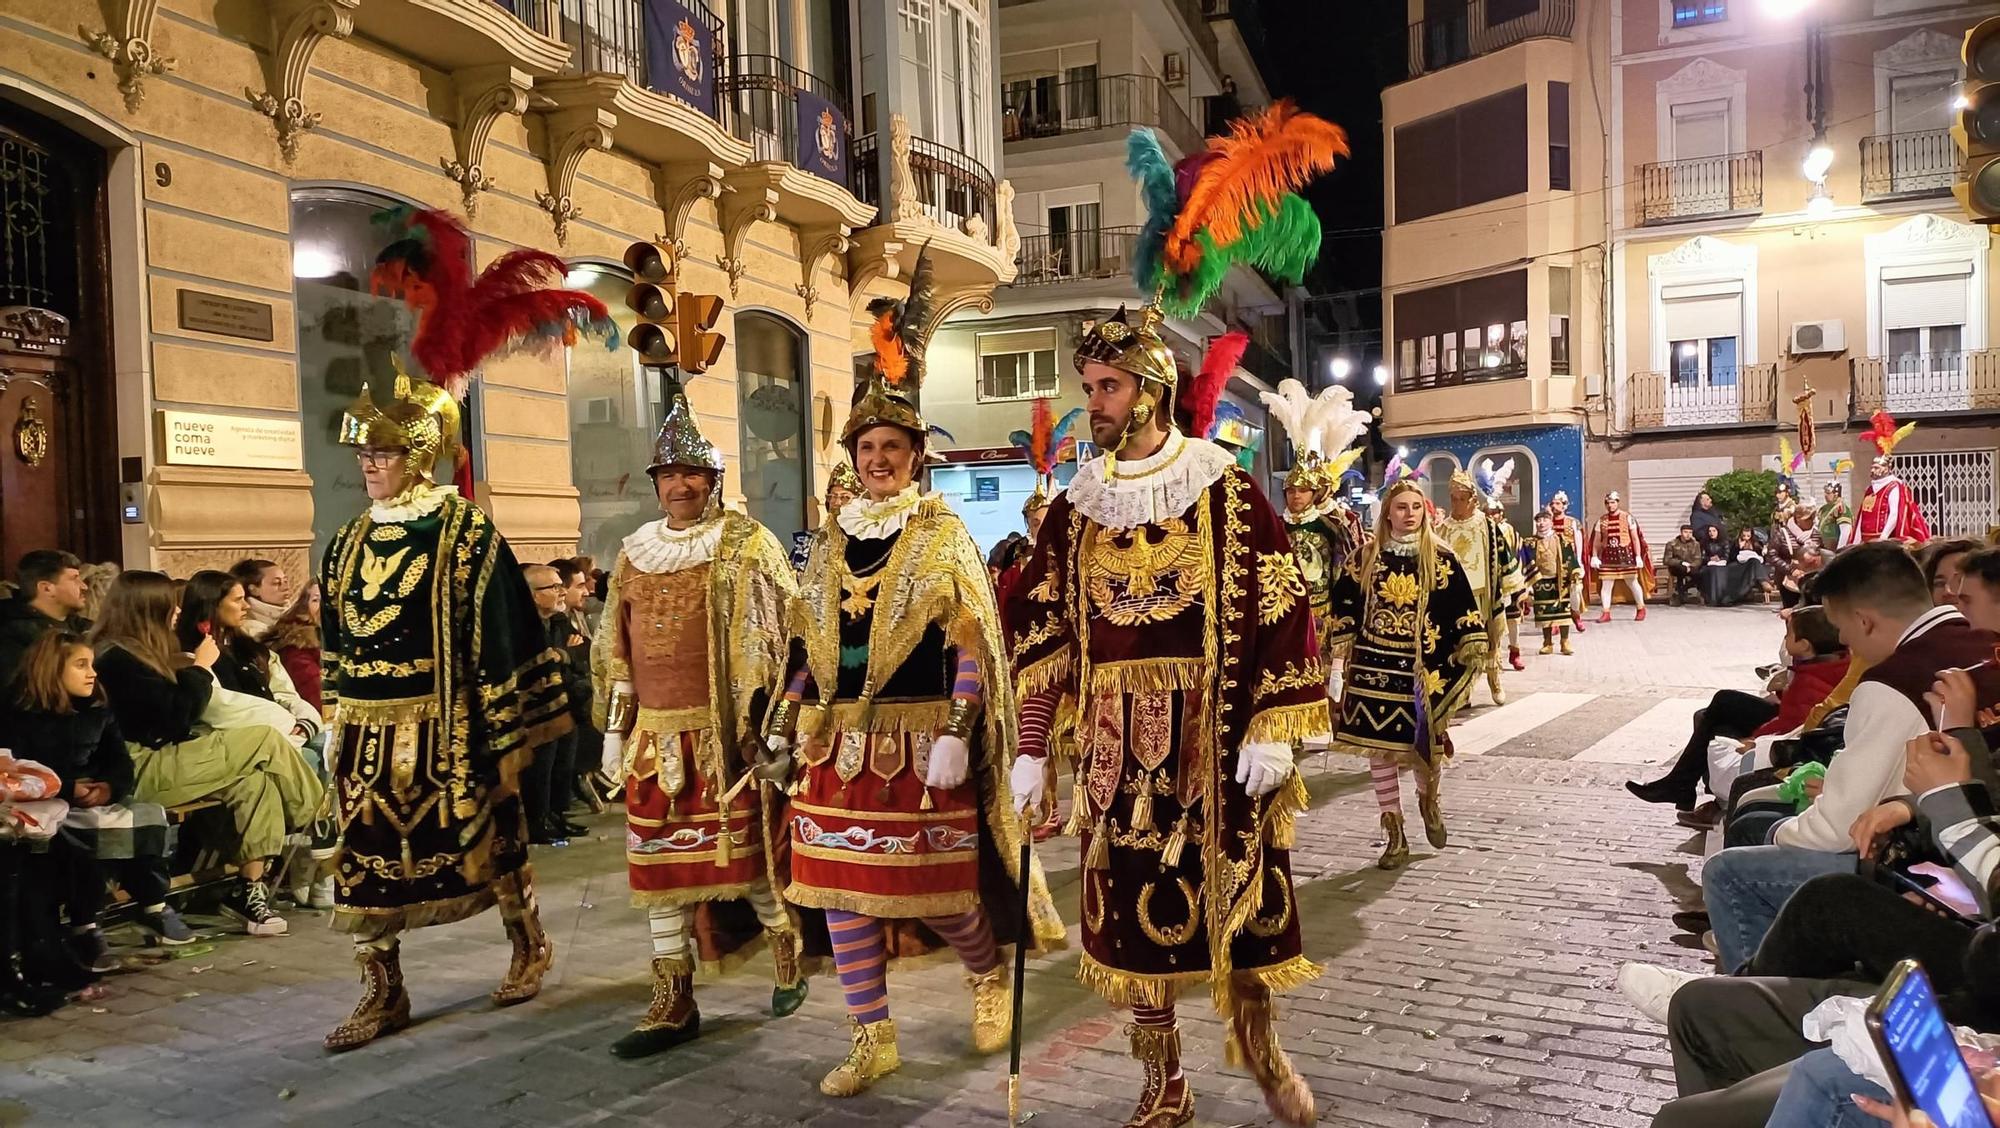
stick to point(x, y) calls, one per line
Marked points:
point(1164, 597)
point(1322, 537)
point(438, 669)
point(1417, 639)
point(898, 723)
point(1485, 554)
point(1889, 508)
point(686, 663)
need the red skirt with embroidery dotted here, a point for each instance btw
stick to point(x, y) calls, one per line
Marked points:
point(674, 826)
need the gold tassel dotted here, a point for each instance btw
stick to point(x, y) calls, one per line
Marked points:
point(885, 796)
point(926, 805)
point(1078, 804)
point(1170, 854)
point(1100, 847)
point(1142, 806)
point(723, 844)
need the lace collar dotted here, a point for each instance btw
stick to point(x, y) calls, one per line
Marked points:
point(867, 519)
point(1308, 517)
point(1405, 545)
point(1146, 490)
point(420, 500)
point(654, 547)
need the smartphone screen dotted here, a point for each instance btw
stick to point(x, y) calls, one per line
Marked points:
point(1922, 1056)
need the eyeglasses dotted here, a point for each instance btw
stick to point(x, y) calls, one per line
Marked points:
point(377, 457)
point(548, 587)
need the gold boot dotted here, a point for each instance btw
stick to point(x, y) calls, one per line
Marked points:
point(1430, 805)
point(534, 951)
point(1166, 1101)
point(1285, 1092)
point(992, 1009)
point(1397, 850)
point(790, 993)
point(672, 1019)
point(872, 1057)
point(384, 1007)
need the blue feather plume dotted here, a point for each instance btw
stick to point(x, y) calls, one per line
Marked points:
point(1148, 164)
point(1022, 441)
point(939, 432)
point(1061, 430)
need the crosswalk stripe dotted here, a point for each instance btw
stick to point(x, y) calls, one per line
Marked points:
point(1491, 729)
point(1650, 737)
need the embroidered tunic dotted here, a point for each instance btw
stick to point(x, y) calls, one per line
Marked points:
point(1491, 567)
point(892, 621)
point(442, 684)
point(1833, 521)
point(1178, 617)
point(694, 620)
point(1620, 550)
point(1416, 650)
point(1553, 569)
point(1321, 542)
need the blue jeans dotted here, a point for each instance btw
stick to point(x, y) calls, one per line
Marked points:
point(1817, 1095)
point(1745, 886)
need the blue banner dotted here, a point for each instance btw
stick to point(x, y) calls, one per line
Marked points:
point(822, 138)
point(680, 55)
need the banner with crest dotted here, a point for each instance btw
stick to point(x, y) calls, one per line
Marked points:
point(680, 54)
point(822, 138)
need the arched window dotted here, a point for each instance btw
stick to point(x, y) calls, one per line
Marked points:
point(347, 336)
point(1521, 496)
point(614, 410)
point(771, 420)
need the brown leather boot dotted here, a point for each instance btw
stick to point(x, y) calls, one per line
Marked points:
point(1166, 1100)
point(534, 951)
point(672, 1018)
point(1430, 805)
point(384, 1007)
point(1285, 1092)
point(1397, 850)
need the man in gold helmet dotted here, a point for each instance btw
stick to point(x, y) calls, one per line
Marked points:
point(688, 658)
point(1489, 563)
point(442, 685)
point(1164, 597)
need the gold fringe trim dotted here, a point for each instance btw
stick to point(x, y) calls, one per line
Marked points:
point(348, 918)
point(675, 965)
point(673, 722)
point(1045, 674)
point(881, 906)
point(1149, 675)
point(675, 898)
point(1131, 988)
point(1289, 724)
point(914, 717)
point(408, 712)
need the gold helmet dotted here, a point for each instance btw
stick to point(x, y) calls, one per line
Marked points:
point(680, 441)
point(843, 477)
point(1139, 350)
point(422, 419)
point(1043, 496)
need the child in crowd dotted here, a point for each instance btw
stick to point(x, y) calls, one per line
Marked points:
point(1554, 569)
point(56, 716)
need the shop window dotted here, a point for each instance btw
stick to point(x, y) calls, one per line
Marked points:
point(615, 407)
point(771, 420)
point(1691, 13)
point(347, 336)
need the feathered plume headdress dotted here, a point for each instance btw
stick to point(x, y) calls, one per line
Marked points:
point(1046, 443)
point(1491, 481)
point(1197, 398)
point(1883, 432)
point(887, 394)
point(1236, 201)
point(517, 301)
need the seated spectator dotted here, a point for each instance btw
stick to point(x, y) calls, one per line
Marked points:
point(1943, 562)
point(295, 639)
point(158, 696)
point(1683, 558)
point(1793, 586)
point(1712, 582)
point(49, 595)
point(54, 714)
point(267, 592)
point(545, 789)
point(1748, 571)
point(251, 689)
point(1818, 663)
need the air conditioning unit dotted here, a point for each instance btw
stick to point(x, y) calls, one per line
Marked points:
point(1175, 66)
point(1818, 337)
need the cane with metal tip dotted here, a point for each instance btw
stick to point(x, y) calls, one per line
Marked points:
point(1023, 937)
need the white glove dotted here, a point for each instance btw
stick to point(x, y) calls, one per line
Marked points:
point(779, 744)
point(612, 763)
point(1596, 563)
point(1026, 782)
point(949, 757)
point(1260, 768)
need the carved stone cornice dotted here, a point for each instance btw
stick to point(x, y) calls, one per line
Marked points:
point(484, 95)
point(299, 27)
point(738, 211)
point(818, 245)
point(950, 302)
point(678, 186)
point(864, 269)
point(127, 41)
point(571, 134)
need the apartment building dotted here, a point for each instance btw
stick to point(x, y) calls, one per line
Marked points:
point(1744, 291)
point(188, 191)
point(1074, 81)
point(1492, 258)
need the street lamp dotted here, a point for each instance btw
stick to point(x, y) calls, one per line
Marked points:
point(1381, 375)
point(1820, 204)
point(1341, 367)
point(1819, 159)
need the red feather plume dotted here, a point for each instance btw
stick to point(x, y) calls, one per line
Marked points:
point(1041, 426)
point(1881, 428)
point(1199, 398)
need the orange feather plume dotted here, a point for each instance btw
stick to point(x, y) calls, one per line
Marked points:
point(1041, 424)
point(890, 356)
point(1248, 172)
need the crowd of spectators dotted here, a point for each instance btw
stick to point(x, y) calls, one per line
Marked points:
point(130, 701)
point(1853, 826)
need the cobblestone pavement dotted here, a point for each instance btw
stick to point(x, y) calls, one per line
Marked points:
point(1473, 987)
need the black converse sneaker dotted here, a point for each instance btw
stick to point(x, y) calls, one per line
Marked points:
point(252, 906)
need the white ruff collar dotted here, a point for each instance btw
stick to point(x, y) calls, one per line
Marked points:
point(420, 500)
point(655, 548)
point(1881, 483)
point(1405, 545)
point(1151, 489)
point(866, 519)
point(1306, 518)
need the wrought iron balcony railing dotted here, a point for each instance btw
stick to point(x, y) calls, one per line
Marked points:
point(1501, 368)
point(609, 37)
point(1925, 383)
point(1453, 31)
point(1031, 110)
point(1665, 401)
point(760, 94)
point(1701, 188)
point(951, 186)
point(1903, 166)
point(1070, 255)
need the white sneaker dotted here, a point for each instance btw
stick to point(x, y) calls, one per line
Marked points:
point(322, 893)
point(1650, 987)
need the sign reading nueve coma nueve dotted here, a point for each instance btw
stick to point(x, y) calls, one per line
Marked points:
point(200, 438)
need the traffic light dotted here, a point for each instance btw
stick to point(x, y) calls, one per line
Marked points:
point(1975, 129)
point(652, 298)
point(699, 348)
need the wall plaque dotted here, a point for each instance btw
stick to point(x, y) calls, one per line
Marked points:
point(226, 316)
point(199, 438)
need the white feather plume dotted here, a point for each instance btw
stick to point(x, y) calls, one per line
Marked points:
point(1340, 422)
point(1503, 477)
point(1292, 406)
